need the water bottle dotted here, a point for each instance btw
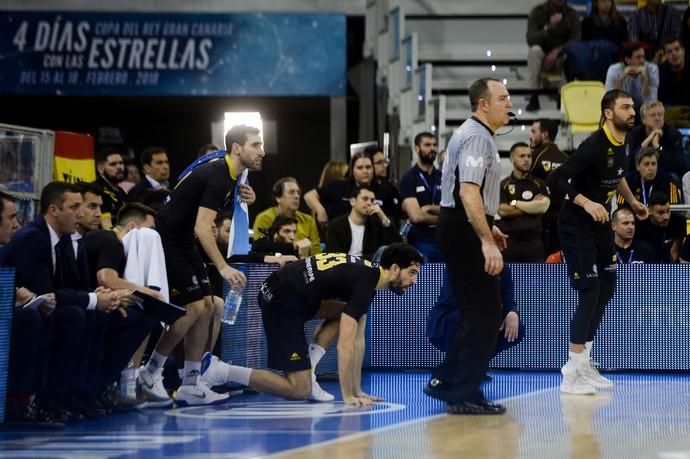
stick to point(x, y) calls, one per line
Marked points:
point(128, 382)
point(233, 300)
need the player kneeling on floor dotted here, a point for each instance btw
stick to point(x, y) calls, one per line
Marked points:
point(299, 292)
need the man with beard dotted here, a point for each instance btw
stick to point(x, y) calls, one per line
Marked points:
point(111, 171)
point(546, 158)
point(420, 189)
point(524, 200)
point(629, 249)
point(663, 230)
point(189, 214)
point(332, 286)
point(590, 178)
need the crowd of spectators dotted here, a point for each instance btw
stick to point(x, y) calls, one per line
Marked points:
point(643, 53)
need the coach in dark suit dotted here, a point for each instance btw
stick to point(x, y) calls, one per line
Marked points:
point(154, 161)
point(38, 257)
point(364, 229)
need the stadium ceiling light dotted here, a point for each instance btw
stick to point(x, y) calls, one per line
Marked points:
point(252, 119)
point(488, 53)
point(493, 68)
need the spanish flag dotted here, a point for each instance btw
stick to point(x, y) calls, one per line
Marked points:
point(74, 157)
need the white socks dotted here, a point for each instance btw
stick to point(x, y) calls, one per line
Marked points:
point(588, 349)
point(192, 370)
point(575, 360)
point(239, 374)
point(156, 362)
point(316, 352)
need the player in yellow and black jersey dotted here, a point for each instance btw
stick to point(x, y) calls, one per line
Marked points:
point(334, 286)
point(590, 177)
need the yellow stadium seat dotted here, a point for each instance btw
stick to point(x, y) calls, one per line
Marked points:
point(581, 107)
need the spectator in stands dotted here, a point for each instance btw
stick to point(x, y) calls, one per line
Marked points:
point(420, 188)
point(154, 161)
point(384, 186)
point(628, 248)
point(634, 75)
point(654, 132)
point(331, 201)
point(364, 230)
point(333, 170)
point(652, 24)
point(444, 317)
point(663, 230)
point(550, 26)
point(281, 238)
point(132, 175)
point(648, 178)
point(111, 171)
point(524, 201)
point(546, 158)
point(39, 258)
point(286, 195)
point(674, 74)
point(8, 218)
point(604, 31)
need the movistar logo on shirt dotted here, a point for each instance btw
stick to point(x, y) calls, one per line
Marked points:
point(471, 161)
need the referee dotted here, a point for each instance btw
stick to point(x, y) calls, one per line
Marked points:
point(590, 177)
point(470, 246)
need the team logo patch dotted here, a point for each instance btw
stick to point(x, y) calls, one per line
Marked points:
point(527, 195)
point(546, 165)
point(511, 188)
point(609, 162)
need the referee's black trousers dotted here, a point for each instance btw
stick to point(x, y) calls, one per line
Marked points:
point(479, 301)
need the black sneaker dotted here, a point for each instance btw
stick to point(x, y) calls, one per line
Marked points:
point(437, 389)
point(483, 407)
point(533, 104)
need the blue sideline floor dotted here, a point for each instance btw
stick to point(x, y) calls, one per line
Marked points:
point(259, 425)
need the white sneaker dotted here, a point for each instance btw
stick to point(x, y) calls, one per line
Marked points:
point(214, 372)
point(590, 374)
point(575, 384)
point(200, 394)
point(317, 393)
point(150, 388)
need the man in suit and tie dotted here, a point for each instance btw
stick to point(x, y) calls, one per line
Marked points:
point(154, 161)
point(38, 256)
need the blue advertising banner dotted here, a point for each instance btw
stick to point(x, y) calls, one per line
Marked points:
point(172, 54)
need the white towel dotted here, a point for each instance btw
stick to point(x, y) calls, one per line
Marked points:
point(145, 260)
point(238, 243)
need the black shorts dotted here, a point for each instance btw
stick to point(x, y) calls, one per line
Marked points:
point(285, 338)
point(588, 249)
point(187, 276)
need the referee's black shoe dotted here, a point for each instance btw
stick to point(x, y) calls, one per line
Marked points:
point(482, 407)
point(437, 389)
